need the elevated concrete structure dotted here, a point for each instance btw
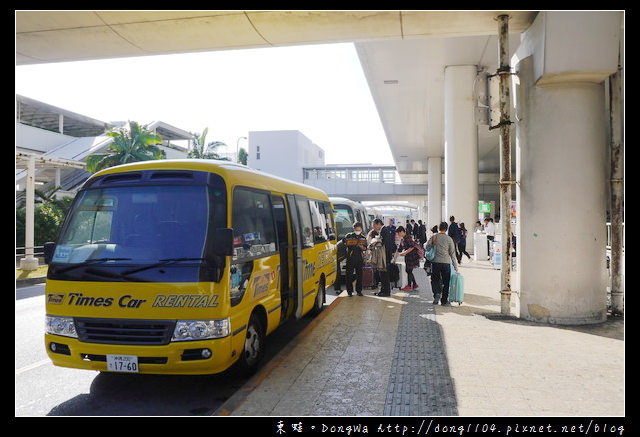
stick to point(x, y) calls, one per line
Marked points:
point(563, 65)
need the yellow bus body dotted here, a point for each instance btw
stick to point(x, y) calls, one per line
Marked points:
point(121, 302)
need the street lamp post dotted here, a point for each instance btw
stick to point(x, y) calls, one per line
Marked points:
point(238, 148)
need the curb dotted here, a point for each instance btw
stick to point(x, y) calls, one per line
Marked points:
point(20, 283)
point(239, 397)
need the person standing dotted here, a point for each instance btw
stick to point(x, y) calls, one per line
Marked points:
point(356, 244)
point(422, 233)
point(391, 227)
point(462, 244)
point(414, 230)
point(388, 246)
point(490, 230)
point(441, 265)
point(408, 249)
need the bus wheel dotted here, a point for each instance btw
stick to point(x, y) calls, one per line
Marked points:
point(318, 305)
point(253, 345)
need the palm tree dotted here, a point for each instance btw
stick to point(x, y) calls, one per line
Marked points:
point(201, 150)
point(132, 145)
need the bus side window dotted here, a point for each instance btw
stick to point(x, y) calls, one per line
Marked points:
point(327, 213)
point(305, 223)
point(319, 224)
point(253, 224)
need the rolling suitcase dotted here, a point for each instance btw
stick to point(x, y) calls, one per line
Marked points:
point(456, 287)
point(368, 278)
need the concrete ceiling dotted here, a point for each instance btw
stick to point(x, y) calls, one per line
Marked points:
point(403, 54)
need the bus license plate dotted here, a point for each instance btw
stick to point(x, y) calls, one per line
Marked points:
point(122, 363)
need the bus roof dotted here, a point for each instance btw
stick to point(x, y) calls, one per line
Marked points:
point(344, 200)
point(233, 173)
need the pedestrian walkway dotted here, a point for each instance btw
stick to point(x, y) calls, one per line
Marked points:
point(403, 356)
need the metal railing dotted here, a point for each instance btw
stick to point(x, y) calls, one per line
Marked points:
point(38, 252)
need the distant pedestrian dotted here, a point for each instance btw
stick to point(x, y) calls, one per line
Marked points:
point(391, 227)
point(414, 230)
point(478, 227)
point(441, 265)
point(490, 230)
point(422, 233)
point(454, 233)
point(462, 244)
point(408, 248)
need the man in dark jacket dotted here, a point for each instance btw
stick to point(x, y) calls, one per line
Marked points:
point(456, 234)
point(356, 244)
point(389, 248)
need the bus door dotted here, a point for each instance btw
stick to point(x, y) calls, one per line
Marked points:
point(298, 264)
point(287, 293)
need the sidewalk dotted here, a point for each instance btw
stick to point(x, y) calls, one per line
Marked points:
point(403, 356)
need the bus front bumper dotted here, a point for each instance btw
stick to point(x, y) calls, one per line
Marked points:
point(179, 358)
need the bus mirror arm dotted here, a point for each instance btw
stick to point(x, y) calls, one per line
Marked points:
point(223, 242)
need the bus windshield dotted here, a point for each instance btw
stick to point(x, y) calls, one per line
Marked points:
point(135, 224)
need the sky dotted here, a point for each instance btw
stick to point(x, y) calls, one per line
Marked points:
point(319, 90)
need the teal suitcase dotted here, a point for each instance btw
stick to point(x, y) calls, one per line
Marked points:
point(456, 287)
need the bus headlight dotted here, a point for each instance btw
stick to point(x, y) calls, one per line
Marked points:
point(200, 329)
point(58, 325)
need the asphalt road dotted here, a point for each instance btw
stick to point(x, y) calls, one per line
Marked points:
point(42, 389)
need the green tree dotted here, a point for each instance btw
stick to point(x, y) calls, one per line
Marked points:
point(202, 150)
point(129, 145)
point(242, 156)
point(49, 214)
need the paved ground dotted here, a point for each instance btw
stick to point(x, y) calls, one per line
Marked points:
point(403, 356)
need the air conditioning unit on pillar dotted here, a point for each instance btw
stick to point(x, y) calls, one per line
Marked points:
point(487, 98)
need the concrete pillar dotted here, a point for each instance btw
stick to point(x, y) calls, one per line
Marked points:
point(434, 191)
point(562, 167)
point(460, 145)
point(29, 262)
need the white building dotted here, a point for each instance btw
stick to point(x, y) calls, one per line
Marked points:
point(283, 153)
point(51, 145)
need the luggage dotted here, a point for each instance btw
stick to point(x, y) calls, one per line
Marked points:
point(368, 278)
point(456, 287)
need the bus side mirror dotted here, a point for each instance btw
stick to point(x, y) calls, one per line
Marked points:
point(49, 248)
point(223, 242)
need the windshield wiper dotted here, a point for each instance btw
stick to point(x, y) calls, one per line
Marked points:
point(89, 262)
point(160, 263)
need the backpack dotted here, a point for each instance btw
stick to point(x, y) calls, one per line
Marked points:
point(431, 248)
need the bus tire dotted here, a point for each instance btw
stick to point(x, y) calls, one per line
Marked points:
point(254, 345)
point(318, 305)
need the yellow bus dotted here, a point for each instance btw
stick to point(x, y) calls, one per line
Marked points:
point(184, 267)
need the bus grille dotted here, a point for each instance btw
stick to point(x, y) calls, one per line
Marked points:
point(123, 331)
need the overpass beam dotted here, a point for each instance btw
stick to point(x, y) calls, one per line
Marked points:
point(460, 145)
